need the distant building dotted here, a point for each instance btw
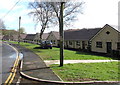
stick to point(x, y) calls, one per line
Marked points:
point(14, 37)
point(29, 38)
point(54, 38)
point(35, 37)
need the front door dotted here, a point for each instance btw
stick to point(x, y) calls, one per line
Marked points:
point(109, 47)
point(66, 44)
point(83, 44)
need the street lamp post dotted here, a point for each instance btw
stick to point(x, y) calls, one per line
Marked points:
point(19, 30)
point(61, 35)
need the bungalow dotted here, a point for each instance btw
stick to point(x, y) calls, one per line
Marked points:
point(29, 38)
point(79, 39)
point(107, 39)
point(13, 37)
point(35, 37)
point(54, 38)
point(101, 40)
point(8, 37)
point(22, 37)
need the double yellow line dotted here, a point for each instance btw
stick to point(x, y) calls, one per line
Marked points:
point(13, 72)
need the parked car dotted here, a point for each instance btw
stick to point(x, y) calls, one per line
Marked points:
point(46, 44)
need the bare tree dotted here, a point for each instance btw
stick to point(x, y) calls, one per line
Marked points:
point(49, 12)
point(63, 13)
point(2, 25)
point(70, 11)
point(42, 14)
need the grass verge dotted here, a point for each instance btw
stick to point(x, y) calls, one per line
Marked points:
point(107, 71)
point(53, 54)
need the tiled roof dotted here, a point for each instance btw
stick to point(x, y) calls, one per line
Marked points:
point(8, 37)
point(23, 36)
point(56, 34)
point(82, 34)
point(30, 37)
point(36, 36)
point(45, 35)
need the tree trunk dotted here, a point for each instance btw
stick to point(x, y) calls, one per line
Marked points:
point(41, 32)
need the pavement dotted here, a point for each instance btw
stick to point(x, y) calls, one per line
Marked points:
point(49, 62)
point(34, 66)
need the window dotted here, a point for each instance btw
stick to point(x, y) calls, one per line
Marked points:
point(118, 45)
point(99, 44)
point(78, 43)
point(70, 42)
point(108, 32)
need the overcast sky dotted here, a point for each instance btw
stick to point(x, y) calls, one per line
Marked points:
point(96, 13)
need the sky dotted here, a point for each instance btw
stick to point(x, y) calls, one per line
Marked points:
point(95, 13)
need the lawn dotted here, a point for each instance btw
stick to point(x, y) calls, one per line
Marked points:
point(107, 71)
point(53, 54)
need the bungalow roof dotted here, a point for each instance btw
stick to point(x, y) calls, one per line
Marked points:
point(82, 34)
point(44, 36)
point(8, 37)
point(56, 34)
point(30, 36)
point(23, 36)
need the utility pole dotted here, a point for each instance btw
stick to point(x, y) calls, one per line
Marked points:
point(61, 35)
point(19, 30)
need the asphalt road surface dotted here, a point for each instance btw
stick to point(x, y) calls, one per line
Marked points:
point(8, 58)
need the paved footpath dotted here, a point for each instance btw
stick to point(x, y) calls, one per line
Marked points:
point(49, 62)
point(34, 66)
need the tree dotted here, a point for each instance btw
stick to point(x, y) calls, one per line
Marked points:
point(63, 13)
point(9, 32)
point(42, 14)
point(70, 11)
point(2, 25)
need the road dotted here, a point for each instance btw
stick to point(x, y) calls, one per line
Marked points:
point(8, 58)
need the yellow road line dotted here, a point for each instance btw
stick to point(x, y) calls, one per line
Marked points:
point(10, 73)
point(12, 78)
point(13, 73)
